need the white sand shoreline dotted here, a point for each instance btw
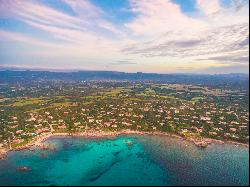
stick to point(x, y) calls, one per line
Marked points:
point(39, 140)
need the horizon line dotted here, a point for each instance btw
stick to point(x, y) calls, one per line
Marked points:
point(54, 70)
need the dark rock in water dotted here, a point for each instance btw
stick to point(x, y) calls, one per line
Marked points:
point(31, 149)
point(201, 144)
point(129, 155)
point(45, 148)
point(116, 153)
point(183, 166)
point(129, 143)
point(44, 155)
point(67, 145)
point(88, 148)
point(140, 155)
point(3, 156)
point(23, 169)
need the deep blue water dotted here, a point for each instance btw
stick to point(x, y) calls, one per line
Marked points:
point(148, 160)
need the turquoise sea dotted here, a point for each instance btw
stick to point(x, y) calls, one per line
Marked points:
point(127, 160)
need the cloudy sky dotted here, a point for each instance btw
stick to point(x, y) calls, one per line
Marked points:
point(163, 36)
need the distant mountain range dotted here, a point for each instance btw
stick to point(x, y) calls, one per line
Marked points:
point(219, 79)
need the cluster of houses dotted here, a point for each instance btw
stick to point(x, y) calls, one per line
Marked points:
point(149, 115)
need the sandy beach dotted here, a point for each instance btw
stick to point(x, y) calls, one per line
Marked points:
point(38, 142)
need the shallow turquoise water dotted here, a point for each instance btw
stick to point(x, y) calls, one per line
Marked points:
point(149, 160)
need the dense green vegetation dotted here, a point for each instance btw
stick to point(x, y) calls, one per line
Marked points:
point(29, 110)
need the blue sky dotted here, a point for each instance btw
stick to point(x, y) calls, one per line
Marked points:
point(164, 36)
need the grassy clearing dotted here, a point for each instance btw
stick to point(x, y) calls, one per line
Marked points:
point(25, 142)
point(54, 105)
point(92, 97)
point(114, 92)
point(88, 103)
point(29, 101)
point(60, 105)
point(196, 99)
point(160, 86)
point(167, 97)
point(134, 99)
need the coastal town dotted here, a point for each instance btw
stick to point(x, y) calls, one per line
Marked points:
point(30, 112)
point(124, 93)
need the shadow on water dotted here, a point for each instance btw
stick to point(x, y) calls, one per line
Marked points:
point(98, 172)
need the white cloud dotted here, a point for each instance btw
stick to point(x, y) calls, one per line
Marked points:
point(7, 36)
point(209, 42)
point(209, 7)
point(217, 14)
point(79, 34)
point(159, 16)
point(88, 19)
point(216, 33)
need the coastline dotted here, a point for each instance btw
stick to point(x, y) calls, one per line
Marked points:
point(38, 142)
